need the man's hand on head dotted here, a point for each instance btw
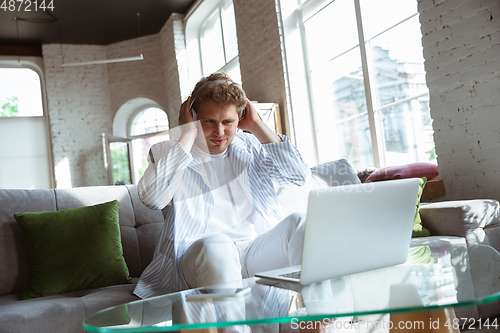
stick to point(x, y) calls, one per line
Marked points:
point(250, 118)
point(187, 125)
point(186, 118)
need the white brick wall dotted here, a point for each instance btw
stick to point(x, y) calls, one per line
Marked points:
point(79, 111)
point(174, 65)
point(128, 80)
point(83, 100)
point(461, 41)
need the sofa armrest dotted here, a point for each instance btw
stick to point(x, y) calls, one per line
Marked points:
point(476, 220)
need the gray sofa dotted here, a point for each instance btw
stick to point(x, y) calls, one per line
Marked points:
point(454, 222)
point(139, 226)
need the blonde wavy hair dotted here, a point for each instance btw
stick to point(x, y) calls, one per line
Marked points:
point(219, 88)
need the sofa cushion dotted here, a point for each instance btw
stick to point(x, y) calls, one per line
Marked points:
point(59, 313)
point(336, 173)
point(13, 262)
point(134, 217)
point(412, 170)
point(149, 223)
point(476, 220)
point(73, 249)
point(418, 229)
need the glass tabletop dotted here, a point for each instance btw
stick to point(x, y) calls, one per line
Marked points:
point(429, 280)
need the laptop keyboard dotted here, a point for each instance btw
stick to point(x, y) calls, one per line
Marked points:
point(293, 275)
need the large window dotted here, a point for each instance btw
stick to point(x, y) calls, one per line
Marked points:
point(211, 40)
point(24, 140)
point(357, 81)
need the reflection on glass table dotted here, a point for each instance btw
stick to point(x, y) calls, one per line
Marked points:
point(433, 278)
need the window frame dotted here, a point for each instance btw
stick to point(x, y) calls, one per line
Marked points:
point(35, 64)
point(295, 22)
point(227, 62)
point(135, 115)
point(194, 21)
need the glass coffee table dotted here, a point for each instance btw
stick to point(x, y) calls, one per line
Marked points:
point(423, 291)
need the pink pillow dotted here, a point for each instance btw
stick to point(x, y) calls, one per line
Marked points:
point(412, 170)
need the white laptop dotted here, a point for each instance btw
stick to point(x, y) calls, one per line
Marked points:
point(354, 228)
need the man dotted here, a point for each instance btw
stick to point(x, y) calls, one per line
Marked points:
point(224, 222)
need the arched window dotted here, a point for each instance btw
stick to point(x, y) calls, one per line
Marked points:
point(138, 124)
point(151, 120)
point(25, 157)
point(146, 129)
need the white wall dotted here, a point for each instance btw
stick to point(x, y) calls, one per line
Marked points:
point(83, 101)
point(79, 108)
point(461, 41)
point(128, 80)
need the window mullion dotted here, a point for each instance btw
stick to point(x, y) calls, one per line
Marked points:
point(401, 101)
point(200, 55)
point(308, 85)
point(376, 147)
point(222, 35)
point(392, 26)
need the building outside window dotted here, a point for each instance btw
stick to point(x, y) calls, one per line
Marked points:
point(357, 81)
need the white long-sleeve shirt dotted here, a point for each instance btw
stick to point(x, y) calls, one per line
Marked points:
point(178, 178)
point(232, 214)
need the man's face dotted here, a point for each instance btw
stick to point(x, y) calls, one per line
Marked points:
point(219, 124)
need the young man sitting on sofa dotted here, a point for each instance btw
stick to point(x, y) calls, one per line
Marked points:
point(225, 222)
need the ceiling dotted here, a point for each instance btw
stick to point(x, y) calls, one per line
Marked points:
point(99, 22)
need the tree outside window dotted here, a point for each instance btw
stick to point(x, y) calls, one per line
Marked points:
point(10, 108)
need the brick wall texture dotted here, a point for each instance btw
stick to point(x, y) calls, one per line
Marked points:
point(174, 66)
point(461, 42)
point(260, 52)
point(133, 79)
point(83, 100)
point(79, 109)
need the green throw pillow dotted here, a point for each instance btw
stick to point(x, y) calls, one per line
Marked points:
point(421, 255)
point(418, 229)
point(73, 249)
